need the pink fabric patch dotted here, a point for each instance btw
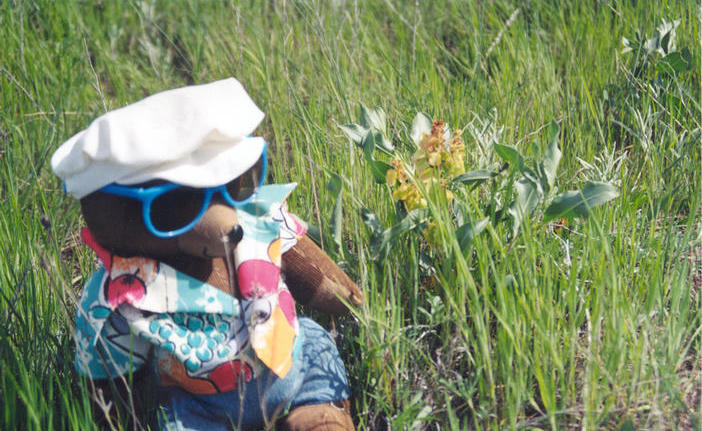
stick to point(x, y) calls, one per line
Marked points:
point(258, 278)
point(287, 305)
point(298, 228)
point(125, 288)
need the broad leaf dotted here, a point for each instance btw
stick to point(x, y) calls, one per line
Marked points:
point(413, 220)
point(368, 144)
point(426, 264)
point(314, 233)
point(675, 62)
point(475, 177)
point(355, 132)
point(529, 194)
point(468, 231)
point(383, 240)
point(375, 139)
point(578, 203)
point(373, 118)
point(510, 155)
point(385, 145)
point(421, 125)
point(530, 175)
point(334, 187)
point(376, 227)
point(552, 157)
point(378, 169)
point(372, 221)
point(666, 36)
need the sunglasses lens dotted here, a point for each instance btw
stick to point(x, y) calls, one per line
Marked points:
point(245, 185)
point(176, 208)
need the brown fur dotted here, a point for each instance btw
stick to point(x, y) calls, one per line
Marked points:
point(312, 277)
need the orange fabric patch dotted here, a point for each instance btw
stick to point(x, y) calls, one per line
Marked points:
point(274, 251)
point(274, 344)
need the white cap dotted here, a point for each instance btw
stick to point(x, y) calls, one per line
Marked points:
point(195, 136)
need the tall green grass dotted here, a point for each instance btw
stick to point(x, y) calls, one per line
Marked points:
point(592, 325)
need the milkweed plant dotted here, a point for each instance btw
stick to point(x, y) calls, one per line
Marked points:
point(433, 174)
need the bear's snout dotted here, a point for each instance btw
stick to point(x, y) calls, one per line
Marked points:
point(117, 224)
point(216, 233)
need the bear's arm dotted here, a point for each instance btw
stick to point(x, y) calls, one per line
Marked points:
point(315, 280)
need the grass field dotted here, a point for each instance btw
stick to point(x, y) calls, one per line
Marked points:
point(588, 322)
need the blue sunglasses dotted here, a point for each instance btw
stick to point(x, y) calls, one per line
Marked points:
point(190, 203)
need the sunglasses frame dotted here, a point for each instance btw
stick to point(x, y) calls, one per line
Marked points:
point(146, 195)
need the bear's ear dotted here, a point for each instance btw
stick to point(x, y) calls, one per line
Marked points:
point(117, 225)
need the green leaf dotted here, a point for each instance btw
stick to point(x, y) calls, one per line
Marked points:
point(314, 233)
point(334, 187)
point(368, 144)
point(552, 157)
point(378, 169)
point(468, 231)
point(373, 118)
point(385, 145)
point(529, 194)
point(530, 175)
point(383, 240)
point(578, 203)
point(355, 132)
point(510, 155)
point(375, 139)
point(372, 221)
point(426, 264)
point(675, 62)
point(475, 177)
point(371, 130)
point(412, 220)
point(376, 228)
point(420, 125)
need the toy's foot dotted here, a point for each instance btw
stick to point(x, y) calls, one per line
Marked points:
point(334, 416)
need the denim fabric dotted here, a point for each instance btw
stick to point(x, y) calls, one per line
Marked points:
point(317, 376)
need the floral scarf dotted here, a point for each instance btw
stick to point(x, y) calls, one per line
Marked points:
point(203, 339)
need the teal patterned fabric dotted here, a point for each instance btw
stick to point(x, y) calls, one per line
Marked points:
point(200, 334)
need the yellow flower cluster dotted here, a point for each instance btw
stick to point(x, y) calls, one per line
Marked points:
point(434, 163)
point(406, 190)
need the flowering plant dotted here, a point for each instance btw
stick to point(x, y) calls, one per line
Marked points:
point(436, 174)
point(435, 163)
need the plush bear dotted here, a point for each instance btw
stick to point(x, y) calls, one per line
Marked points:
point(200, 263)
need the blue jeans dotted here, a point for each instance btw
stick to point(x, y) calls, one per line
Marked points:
point(316, 376)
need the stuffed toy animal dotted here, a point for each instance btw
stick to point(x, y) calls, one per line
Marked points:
point(200, 262)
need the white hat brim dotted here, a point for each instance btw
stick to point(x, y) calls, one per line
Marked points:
point(193, 135)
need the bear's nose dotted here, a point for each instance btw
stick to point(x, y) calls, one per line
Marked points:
point(235, 235)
